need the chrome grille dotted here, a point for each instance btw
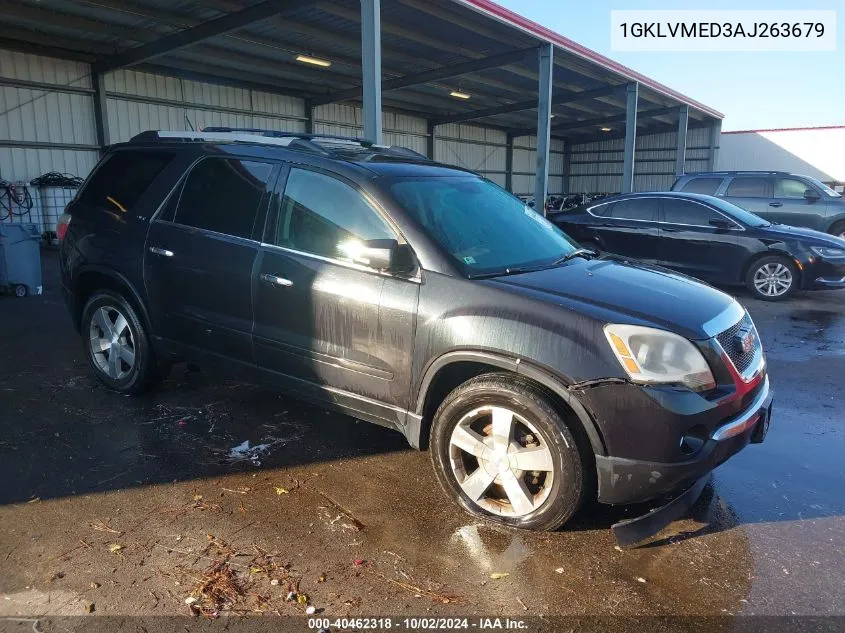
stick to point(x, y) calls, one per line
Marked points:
point(733, 348)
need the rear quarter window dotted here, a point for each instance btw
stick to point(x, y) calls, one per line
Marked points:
point(706, 186)
point(120, 181)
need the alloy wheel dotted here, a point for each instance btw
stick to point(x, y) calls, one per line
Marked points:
point(112, 343)
point(501, 462)
point(773, 279)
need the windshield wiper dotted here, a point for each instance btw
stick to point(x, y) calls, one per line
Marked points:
point(578, 252)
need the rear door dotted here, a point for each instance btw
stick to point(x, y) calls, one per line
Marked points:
point(690, 244)
point(790, 206)
point(338, 330)
point(198, 264)
point(753, 193)
point(628, 227)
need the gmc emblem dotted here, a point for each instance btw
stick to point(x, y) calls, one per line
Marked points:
point(745, 340)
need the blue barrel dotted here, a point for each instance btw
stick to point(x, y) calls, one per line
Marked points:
point(20, 258)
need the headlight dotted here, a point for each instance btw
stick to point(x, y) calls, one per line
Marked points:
point(652, 356)
point(828, 251)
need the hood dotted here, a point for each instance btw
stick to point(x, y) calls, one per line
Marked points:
point(807, 236)
point(618, 291)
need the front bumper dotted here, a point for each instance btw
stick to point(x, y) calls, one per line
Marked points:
point(825, 274)
point(623, 480)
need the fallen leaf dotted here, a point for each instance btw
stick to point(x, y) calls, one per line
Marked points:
point(559, 570)
point(302, 598)
point(197, 497)
point(114, 548)
point(89, 607)
point(281, 491)
point(499, 574)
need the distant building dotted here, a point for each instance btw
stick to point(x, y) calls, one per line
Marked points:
point(813, 151)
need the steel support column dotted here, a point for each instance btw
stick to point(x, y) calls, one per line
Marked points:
point(371, 68)
point(630, 138)
point(101, 120)
point(309, 116)
point(681, 151)
point(544, 116)
point(715, 137)
point(509, 163)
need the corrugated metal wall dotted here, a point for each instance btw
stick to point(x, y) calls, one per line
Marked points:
point(346, 120)
point(525, 165)
point(597, 166)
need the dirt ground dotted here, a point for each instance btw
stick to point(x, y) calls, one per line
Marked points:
point(156, 506)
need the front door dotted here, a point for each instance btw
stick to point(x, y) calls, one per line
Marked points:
point(791, 206)
point(322, 321)
point(691, 245)
point(200, 253)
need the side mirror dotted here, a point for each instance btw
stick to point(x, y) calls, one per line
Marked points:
point(379, 254)
point(721, 223)
point(811, 194)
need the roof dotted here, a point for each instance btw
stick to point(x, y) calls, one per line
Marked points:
point(430, 49)
point(789, 129)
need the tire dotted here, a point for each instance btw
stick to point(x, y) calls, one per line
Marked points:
point(551, 493)
point(838, 230)
point(766, 278)
point(20, 291)
point(136, 367)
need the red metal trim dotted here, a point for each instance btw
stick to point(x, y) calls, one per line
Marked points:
point(788, 129)
point(514, 19)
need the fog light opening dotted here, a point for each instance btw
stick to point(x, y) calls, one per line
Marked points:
point(694, 440)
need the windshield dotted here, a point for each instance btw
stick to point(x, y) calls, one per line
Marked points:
point(818, 183)
point(738, 213)
point(483, 227)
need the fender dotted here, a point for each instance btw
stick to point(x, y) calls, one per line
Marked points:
point(121, 279)
point(517, 366)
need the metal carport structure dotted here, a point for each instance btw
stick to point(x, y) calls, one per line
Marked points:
point(448, 65)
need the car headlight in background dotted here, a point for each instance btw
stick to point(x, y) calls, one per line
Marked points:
point(652, 356)
point(828, 252)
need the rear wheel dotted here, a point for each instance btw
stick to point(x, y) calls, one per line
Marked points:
point(772, 278)
point(506, 455)
point(116, 344)
point(838, 230)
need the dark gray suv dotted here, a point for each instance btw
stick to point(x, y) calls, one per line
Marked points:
point(775, 196)
point(420, 297)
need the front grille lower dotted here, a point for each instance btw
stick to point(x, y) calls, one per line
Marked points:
point(733, 347)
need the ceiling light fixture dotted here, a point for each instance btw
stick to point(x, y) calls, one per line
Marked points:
point(314, 61)
point(605, 129)
point(459, 95)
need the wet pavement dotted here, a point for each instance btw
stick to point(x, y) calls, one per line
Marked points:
point(120, 504)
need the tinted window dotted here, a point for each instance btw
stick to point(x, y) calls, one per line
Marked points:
point(603, 210)
point(222, 195)
point(480, 225)
point(707, 186)
point(685, 212)
point(636, 209)
point(748, 188)
point(122, 178)
point(320, 213)
point(790, 188)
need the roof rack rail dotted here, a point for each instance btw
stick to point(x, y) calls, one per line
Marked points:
point(325, 144)
point(739, 171)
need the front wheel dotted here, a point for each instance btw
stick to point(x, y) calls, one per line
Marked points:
point(772, 278)
point(116, 344)
point(503, 452)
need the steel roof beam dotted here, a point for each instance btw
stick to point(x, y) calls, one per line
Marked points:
point(193, 35)
point(437, 74)
point(531, 104)
point(577, 125)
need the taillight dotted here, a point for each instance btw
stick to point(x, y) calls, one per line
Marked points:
point(61, 226)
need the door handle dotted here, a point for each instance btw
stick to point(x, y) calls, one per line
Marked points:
point(274, 280)
point(155, 250)
point(670, 230)
point(776, 204)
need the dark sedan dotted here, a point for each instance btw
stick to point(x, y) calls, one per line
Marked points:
point(711, 239)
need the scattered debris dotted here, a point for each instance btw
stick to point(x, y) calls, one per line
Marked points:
point(241, 491)
point(311, 610)
point(640, 579)
point(190, 600)
point(197, 497)
point(419, 591)
point(95, 585)
point(498, 575)
point(354, 524)
point(218, 589)
point(114, 548)
point(57, 576)
point(102, 526)
point(618, 549)
point(89, 607)
point(291, 596)
point(322, 578)
point(274, 582)
point(559, 570)
point(359, 562)
point(519, 600)
point(301, 598)
point(281, 491)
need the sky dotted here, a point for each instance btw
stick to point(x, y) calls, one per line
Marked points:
point(754, 90)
